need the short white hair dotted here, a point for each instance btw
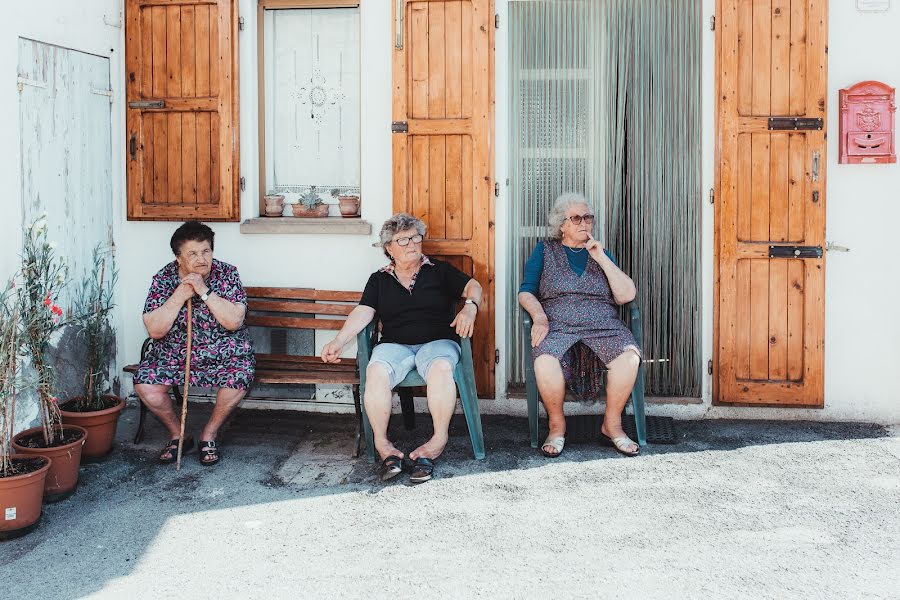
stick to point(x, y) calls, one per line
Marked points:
point(396, 224)
point(557, 215)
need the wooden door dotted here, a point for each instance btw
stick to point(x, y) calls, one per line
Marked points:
point(770, 202)
point(443, 142)
point(182, 112)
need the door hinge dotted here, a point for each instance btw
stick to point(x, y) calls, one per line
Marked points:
point(712, 195)
point(496, 20)
point(243, 184)
point(497, 189)
point(240, 23)
point(496, 356)
point(399, 127)
point(102, 92)
point(709, 367)
point(712, 23)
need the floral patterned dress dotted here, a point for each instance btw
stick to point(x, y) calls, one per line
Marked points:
point(219, 357)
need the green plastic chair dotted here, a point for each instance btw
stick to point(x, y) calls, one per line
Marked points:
point(637, 393)
point(463, 375)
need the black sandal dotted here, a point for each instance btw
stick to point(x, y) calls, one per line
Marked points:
point(423, 469)
point(172, 450)
point(209, 453)
point(390, 467)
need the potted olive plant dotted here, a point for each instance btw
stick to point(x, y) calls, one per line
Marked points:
point(43, 277)
point(310, 205)
point(22, 478)
point(96, 409)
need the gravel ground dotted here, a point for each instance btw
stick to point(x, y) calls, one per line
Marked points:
point(748, 509)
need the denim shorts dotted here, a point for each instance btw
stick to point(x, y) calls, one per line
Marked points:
point(400, 359)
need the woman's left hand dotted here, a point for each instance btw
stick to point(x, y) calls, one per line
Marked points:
point(595, 248)
point(196, 281)
point(465, 321)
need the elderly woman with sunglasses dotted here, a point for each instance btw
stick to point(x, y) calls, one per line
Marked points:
point(414, 297)
point(571, 289)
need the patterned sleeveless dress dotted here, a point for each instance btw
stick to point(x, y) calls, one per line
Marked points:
point(584, 321)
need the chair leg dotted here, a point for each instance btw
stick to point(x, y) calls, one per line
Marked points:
point(468, 396)
point(408, 407)
point(139, 436)
point(367, 427)
point(533, 397)
point(359, 426)
point(637, 402)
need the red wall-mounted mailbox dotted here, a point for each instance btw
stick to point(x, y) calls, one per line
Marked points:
point(867, 123)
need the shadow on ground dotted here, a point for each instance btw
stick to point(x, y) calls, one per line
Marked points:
point(100, 534)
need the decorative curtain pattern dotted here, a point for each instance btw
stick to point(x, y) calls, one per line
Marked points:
point(605, 100)
point(312, 99)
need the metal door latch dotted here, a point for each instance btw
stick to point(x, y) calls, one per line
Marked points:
point(832, 247)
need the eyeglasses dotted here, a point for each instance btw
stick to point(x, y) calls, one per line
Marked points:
point(577, 219)
point(416, 239)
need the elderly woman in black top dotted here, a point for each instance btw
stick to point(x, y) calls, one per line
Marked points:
point(413, 297)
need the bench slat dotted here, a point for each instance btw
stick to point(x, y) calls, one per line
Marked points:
point(294, 322)
point(303, 294)
point(257, 304)
point(326, 377)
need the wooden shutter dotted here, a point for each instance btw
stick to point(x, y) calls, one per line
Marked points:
point(182, 116)
point(442, 145)
point(770, 198)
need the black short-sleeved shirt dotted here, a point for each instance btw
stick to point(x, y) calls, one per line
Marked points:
point(419, 316)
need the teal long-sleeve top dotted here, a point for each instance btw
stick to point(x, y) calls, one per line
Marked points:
point(534, 266)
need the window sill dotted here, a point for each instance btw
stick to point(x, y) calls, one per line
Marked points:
point(327, 225)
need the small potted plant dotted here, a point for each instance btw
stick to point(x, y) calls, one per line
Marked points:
point(22, 478)
point(348, 203)
point(310, 205)
point(274, 204)
point(43, 277)
point(96, 409)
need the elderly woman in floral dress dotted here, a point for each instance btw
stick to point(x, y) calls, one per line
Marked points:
point(571, 289)
point(221, 354)
point(413, 298)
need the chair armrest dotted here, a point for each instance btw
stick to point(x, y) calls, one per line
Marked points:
point(364, 346)
point(637, 328)
point(465, 345)
point(145, 347)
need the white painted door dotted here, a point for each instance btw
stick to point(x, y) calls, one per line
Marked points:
point(64, 126)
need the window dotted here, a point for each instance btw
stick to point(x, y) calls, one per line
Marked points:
point(309, 99)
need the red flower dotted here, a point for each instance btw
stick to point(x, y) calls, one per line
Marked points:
point(56, 310)
point(47, 301)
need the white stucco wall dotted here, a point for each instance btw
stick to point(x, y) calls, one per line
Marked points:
point(861, 200)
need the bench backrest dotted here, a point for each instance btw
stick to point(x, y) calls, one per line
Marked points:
point(289, 307)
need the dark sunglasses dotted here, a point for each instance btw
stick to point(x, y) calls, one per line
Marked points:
point(577, 219)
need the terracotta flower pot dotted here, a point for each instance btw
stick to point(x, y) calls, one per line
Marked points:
point(100, 425)
point(274, 205)
point(21, 498)
point(349, 206)
point(62, 478)
point(317, 211)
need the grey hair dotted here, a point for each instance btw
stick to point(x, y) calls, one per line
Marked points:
point(397, 223)
point(557, 215)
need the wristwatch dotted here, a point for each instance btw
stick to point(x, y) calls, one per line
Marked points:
point(470, 301)
point(205, 295)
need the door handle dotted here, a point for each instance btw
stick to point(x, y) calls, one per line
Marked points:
point(132, 146)
point(398, 25)
point(815, 166)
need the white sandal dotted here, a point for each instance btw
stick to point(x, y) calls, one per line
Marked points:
point(557, 443)
point(621, 444)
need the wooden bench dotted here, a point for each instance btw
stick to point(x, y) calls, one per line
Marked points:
point(293, 308)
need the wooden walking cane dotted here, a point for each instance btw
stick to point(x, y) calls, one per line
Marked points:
point(187, 383)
